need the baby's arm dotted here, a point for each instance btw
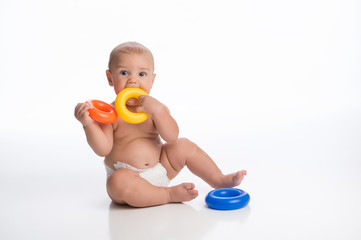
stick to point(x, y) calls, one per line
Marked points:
point(166, 125)
point(99, 136)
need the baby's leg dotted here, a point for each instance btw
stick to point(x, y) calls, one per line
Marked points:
point(184, 152)
point(125, 186)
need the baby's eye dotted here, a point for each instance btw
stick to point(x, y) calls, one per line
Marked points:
point(142, 74)
point(124, 73)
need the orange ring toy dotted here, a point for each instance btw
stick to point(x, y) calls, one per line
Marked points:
point(101, 111)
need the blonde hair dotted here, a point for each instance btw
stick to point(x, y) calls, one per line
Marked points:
point(128, 48)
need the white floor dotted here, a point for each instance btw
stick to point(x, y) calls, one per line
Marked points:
point(304, 182)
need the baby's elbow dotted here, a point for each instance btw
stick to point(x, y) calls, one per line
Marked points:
point(103, 152)
point(172, 139)
point(100, 154)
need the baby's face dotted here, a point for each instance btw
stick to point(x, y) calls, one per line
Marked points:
point(132, 70)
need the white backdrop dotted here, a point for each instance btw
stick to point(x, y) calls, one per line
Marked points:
point(257, 63)
point(254, 72)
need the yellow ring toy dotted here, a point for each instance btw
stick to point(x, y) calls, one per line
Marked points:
point(122, 110)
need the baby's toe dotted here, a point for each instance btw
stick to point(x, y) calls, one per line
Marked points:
point(189, 186)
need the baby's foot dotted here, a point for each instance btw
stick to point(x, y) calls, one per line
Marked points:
point(232, 180)
point(183, 192)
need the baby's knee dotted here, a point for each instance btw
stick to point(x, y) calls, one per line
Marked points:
point(180, 150)
point(184, 144)
point(119, 184)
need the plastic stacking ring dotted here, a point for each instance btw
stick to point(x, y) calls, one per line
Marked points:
point(227, 199)
point(122, 110)
point(101, 111)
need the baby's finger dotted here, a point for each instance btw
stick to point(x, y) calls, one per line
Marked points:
point(80, 109)
point(84, 107)
point(141, 99)
point(89, 105)
point(77, 108)
point(140, 109)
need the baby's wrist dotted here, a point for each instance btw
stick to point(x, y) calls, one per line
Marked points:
point(86, 124)
point(157, 111)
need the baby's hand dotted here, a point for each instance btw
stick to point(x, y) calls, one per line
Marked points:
point(81, 113)
point(148, 104)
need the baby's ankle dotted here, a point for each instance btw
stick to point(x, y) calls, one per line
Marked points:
point(229, 180)
point(169, 194)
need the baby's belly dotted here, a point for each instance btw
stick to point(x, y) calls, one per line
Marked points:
point(140, 153)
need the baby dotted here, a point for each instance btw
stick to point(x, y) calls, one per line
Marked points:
point(139, 165)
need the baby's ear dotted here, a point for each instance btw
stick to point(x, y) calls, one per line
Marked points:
point(109, 77)
point(153, 77)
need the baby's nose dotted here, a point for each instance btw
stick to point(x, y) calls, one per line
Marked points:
point(132, 82)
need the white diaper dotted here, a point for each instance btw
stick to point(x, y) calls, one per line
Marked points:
point(156, 175)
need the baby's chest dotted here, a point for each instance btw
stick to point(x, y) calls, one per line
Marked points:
point(135, 130)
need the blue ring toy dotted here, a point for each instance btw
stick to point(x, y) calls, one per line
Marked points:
point(227, 199)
